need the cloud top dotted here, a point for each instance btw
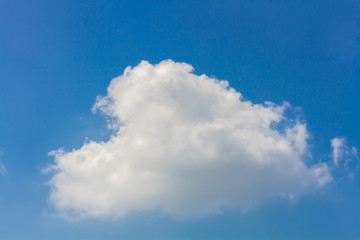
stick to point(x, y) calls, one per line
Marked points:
point(186, 146)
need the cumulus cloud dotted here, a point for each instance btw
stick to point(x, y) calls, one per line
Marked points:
point(185, 146)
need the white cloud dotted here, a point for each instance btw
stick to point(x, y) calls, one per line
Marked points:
point(337, 145)
point(341, 152)
point(186, 146)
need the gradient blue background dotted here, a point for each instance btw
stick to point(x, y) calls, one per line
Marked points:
point(57, 56)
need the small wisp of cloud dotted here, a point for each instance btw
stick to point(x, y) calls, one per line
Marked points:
point(2, 167)
point(344, 157)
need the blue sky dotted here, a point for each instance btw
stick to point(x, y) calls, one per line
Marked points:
point(56, 57)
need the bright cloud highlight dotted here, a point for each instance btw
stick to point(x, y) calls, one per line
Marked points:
point(186, 146)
